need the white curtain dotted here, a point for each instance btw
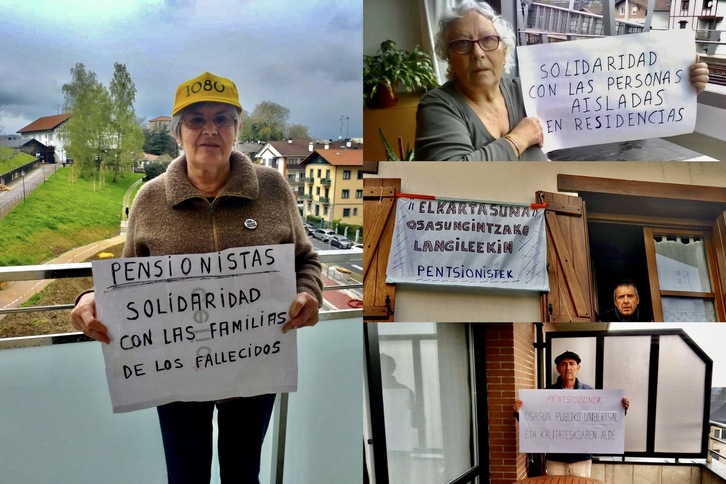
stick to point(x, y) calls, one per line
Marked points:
point(682, 264)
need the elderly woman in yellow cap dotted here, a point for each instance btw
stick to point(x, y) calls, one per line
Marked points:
point(210, 199)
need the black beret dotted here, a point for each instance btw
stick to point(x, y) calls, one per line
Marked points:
point(571, 355)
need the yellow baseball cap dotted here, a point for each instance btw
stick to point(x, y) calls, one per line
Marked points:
point(206, 88)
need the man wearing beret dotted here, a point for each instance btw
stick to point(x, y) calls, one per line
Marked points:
point(568, 364)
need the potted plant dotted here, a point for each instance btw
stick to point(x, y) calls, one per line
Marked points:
point(391, 67)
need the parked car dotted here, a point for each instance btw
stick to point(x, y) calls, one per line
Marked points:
point(323, 234)
point(309, 227)
point(341, 242)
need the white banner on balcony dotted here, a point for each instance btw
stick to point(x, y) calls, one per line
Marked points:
point(572, 421)
point(605, 90)
point(197, 327)
point(468, 243)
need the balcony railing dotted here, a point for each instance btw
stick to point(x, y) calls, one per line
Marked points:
point(83, 269)
point(324, 200)
point(325, 181)
point(56, 404)
point(564, 24)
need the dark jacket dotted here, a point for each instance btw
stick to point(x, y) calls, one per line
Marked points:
point(615, 316)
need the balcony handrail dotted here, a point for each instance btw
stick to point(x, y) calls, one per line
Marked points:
point(564, 9)
point(83, 269)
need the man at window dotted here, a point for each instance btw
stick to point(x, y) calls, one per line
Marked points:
point(568, 364)
point(626, 299)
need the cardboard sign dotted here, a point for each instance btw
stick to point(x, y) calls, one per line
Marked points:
point(619, 88)
point(467, 243)
point(572, 421)
point(197, 327)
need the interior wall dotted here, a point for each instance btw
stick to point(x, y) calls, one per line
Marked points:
point(397, 20)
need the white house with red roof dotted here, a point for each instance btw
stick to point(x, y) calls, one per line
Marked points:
point(160, 122)
point(50, 131)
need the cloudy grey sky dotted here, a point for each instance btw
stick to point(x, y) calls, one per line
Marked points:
point(306, 56)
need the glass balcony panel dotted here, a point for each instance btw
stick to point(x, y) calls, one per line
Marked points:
point(57, 424)
point(626, 365)
point(679, 405)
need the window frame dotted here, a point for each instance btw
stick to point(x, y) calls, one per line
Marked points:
point(656, 293)
point(677, 208)
point(479, 444)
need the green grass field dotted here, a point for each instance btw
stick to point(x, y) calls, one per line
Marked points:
point(61, 215)
point(16, 161)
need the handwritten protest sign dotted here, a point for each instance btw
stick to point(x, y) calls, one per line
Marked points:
point(619, 88)
point(198, 326)
point(467, 243)
point(572, 421)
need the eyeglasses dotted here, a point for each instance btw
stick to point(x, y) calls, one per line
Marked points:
point(198, 121)
point(465, 46)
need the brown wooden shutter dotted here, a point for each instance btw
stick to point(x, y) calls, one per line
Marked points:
point(379, 216)
point(718, 235)
point(570, 298)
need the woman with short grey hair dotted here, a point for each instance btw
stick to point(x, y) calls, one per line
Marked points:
point(478, 115)
point(504, 30)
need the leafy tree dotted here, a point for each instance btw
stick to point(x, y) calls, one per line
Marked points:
point(154, 169)
point(6, 153)
point(159, 141)
point(266, 123)
point(88, 128)
point(128, 139)
point(298, 131)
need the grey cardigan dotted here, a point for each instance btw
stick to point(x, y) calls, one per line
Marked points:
point(447, 128)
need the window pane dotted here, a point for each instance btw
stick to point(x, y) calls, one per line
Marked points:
point(682, 264)
point(427, 403)
point(679, 406)
point(677, 309)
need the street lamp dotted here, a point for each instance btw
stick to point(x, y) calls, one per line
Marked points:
point(22, 174)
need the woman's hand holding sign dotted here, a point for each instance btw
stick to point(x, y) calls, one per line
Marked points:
point(698, 75)
point(303, 312)
point(528, 132)
point(83, 318)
